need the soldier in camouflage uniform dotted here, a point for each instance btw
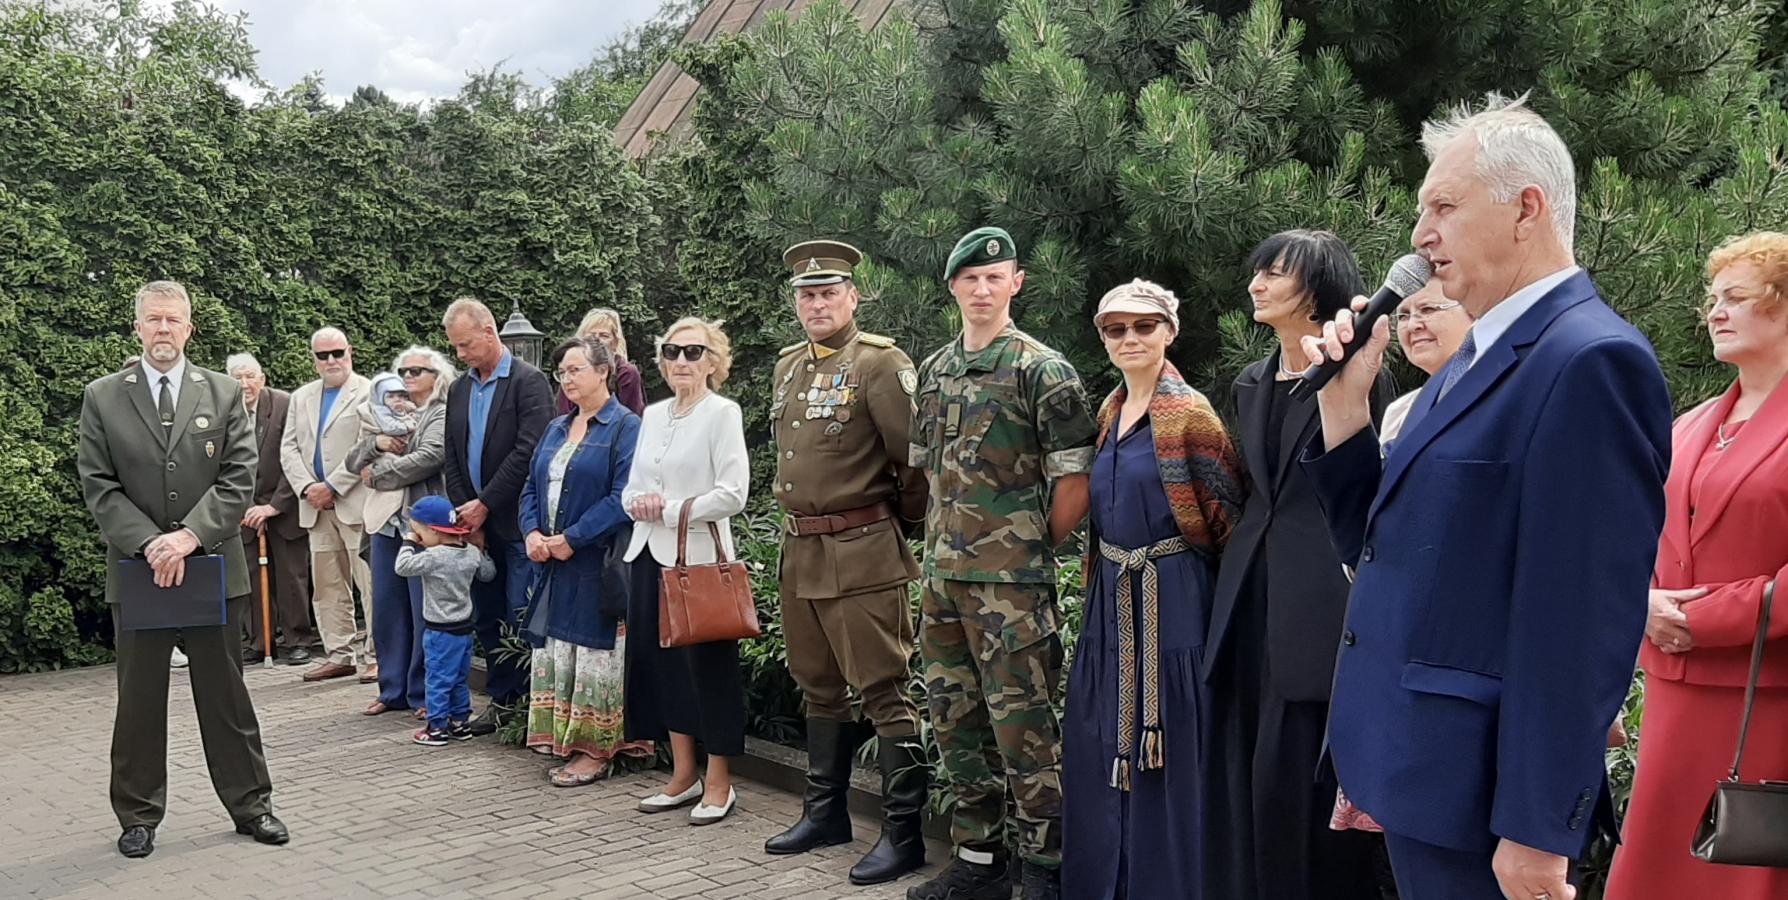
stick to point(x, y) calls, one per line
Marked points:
point(1003, 430)
point(841, 419)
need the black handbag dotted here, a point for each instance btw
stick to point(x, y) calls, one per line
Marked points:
point(1746, 823)
point(617, 575)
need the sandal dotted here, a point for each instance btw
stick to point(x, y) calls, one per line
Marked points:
point(561, 778)
point(421, 713)
point(376, 708)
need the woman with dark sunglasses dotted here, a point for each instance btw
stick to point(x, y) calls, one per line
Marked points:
point(1141, 816)
point(691, 452)
point(1281, 593)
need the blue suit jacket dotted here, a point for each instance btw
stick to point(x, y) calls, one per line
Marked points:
point(1503, 549)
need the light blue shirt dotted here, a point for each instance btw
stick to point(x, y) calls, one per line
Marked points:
point(477, 411)
point(1491, 325)
point(316, 460)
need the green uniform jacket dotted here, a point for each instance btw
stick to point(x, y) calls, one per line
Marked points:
point(140, 483)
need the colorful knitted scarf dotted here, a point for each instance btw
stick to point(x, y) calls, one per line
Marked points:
point(1204, 480)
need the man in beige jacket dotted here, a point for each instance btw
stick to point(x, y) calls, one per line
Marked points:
point(321, 429)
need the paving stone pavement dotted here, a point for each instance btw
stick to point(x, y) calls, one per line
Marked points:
point(372, 815)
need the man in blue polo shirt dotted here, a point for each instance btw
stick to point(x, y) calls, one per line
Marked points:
point(495, 416)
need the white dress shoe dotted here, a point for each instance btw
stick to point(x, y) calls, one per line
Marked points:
point(662, 802)
point(703, 814)
point(177, 659)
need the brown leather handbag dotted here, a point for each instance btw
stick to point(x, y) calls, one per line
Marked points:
point(1746, 822)
point(709, 602)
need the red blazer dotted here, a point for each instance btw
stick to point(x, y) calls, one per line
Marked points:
point(1732, 542)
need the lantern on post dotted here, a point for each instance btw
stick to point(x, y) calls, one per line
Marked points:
point(521, 337)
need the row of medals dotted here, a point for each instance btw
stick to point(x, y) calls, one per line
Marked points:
point(829, 398)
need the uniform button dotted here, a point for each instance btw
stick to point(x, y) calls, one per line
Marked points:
point(788, 454)
point(1348, 638)
point(786, 486)
point(170, 465)
point(1366, 554)
point(173, 495)
point(794, 424)
point(810, 367)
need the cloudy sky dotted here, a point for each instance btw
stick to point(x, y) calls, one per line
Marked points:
point(419, 49)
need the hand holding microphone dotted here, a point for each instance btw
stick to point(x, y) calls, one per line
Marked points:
point(1346, 359)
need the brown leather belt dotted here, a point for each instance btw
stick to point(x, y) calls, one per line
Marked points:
point(832, 523)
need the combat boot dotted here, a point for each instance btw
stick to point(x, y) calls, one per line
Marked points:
point(905, 782)
point(964, 880)
point(825, 815)
point(1040, 883)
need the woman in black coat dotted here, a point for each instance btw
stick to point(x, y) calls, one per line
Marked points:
point(1281, 593)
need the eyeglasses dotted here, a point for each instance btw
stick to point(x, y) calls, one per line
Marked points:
point(331, 354)
point(571, 371)
point(415, 371)
point(1143, 328)
point(691, 352)
point(1424, 313)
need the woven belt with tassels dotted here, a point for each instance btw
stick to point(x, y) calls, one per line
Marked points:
point(1153, 751)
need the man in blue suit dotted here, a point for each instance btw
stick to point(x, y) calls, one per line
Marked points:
point(1503, 547)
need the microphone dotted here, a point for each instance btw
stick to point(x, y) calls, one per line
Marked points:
point(1407, 276)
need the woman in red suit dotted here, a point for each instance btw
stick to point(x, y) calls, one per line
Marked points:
point(1724, 540)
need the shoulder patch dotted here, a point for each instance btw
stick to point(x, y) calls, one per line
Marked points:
point(875, 340)
point(790, 349)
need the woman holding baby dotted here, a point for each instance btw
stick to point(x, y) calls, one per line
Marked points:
point(402, 447)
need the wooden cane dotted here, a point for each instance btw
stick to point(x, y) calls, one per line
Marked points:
point(266, 607)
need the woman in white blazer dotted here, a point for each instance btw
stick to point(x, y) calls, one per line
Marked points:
point(691, 447)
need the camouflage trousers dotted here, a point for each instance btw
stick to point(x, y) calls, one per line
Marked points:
point(993, 666)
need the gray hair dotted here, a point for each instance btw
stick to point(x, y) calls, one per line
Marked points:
point(239, 361)
point(468, 306)
point(444, 373)
point(1516, 149)
point(172, 290)
point(328, 332)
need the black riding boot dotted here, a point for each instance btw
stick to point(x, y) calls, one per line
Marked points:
point(905, 782)
point(825, 816)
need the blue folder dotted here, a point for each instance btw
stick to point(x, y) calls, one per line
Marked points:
point(197, 602)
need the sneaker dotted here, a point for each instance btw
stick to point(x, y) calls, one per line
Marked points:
point(460, 731)
point(177, 659)
point(964, 880)
point(429, 737)
point(489, 721)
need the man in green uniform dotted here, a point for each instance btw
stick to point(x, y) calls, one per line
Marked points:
point(167, 467)
point(841, 418)
point(1002, 429)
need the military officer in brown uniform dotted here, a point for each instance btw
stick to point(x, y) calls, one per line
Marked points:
point(841, 415)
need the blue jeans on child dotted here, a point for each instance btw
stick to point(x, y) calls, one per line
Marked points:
point(448, 665)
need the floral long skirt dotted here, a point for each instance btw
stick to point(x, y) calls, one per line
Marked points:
point(575, 703)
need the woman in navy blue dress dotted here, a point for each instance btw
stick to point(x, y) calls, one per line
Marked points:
point(1147, 786)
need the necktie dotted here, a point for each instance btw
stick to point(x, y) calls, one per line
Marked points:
point(164, 404)
point(1455, 368)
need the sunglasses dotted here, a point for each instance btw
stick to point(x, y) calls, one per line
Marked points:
point(691, 352)
point(331, 354)
point(414, 371)
point(1143, 328)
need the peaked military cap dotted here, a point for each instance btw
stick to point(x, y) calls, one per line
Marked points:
point(980, 247)
point(820, 262)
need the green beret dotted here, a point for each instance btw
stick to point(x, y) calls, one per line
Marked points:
point(980, 247)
